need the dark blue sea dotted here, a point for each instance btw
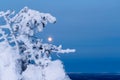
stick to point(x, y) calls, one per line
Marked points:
point(94, 76)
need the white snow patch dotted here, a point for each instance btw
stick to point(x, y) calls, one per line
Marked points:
point(7, 64)
point(54, 71)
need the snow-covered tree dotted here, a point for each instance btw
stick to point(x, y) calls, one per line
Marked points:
point(19, 34)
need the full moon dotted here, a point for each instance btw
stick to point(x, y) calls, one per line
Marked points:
point(50, 39)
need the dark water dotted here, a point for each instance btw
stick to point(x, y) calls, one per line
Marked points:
point(94, 76)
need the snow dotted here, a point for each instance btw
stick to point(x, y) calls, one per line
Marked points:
point(54, 71)
point(8, 63)
point(8, 71)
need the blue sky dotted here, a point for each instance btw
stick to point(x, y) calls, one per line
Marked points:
point(92, 27)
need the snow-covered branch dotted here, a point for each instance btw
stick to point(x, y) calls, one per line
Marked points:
point(23, 27)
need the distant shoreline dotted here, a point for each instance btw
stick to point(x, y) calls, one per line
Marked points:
point(94, 76)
